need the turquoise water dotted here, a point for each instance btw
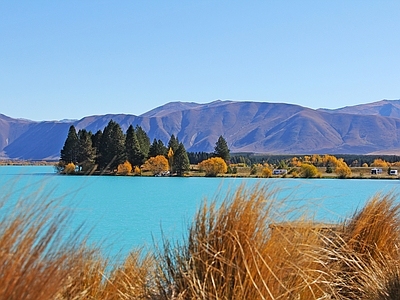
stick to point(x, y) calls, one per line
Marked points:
point(126, 212)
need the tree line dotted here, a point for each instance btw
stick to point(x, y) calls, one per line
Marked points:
point(105, 150)
point(113, 151)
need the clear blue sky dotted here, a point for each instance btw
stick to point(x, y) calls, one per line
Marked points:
point(70, 59)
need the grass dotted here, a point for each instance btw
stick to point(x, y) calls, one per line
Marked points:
point(238, 247)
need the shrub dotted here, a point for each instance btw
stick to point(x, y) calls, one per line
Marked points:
point(125, 168)
point(157, 164)
point(266, 172)
point(69, 169)
point(308, 171)
point(342, 169)
point(213, 166)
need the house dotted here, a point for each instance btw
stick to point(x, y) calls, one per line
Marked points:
point(376, 171)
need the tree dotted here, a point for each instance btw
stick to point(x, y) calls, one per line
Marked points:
point(213, 166)
point(156, 164)
point(181, 161)
point(86, 153)
point(266, 172)
point(132, 148)
point(96, 140)
point(144, 141)
point(221, 149)
point(309, 171)
point(125, 168)
point(69, 153)
point(112, 147)
point(342, 169)
point(173, 143)
point(157, 148)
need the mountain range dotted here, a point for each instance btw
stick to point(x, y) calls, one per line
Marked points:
point(258, 127)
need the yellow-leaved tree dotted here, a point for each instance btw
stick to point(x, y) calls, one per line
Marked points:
point(342, 169)
point(266, 172)
point(125, 168)
point(309, 171)
point(69, 169)
point(156, 164)
point(379, 163)
point(213, 166)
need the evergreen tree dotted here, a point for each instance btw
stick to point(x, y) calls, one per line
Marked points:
point(69, 152)
point(157, 148)
point(173, 143)
point(132, 148)
point(181, 161)
point(144, 141)
point(86, 154)
point(96, 140)
point(112, 147)
point(221, 149)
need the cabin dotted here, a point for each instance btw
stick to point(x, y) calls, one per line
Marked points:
point(376, 171)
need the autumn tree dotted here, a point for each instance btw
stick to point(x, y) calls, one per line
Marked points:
point(112, 146)
point(342, 169)
point(156, 164)
point(132, 148)
point(308, 171)
point(266, 172)
point(181, 161)
point(69, 168)
point(69, 152)
point(125, 168)
point(221, 149)
point(379, 163)
point(213, 166)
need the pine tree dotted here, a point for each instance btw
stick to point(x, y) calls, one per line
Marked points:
point(221, 149)
point(157, 148)
point(132, 148)
point(181, 161)
point(96, 140)
point(69, 152)
point(144, 141)
point(86, 154)
point(173, 143)
point(112, 147)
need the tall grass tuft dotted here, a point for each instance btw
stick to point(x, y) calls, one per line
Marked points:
point(241, 247)
point(232, 253)
point(35, 259)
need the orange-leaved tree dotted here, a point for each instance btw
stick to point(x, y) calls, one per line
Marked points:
point(213, 166)
point(156, 164)
point(125, 168)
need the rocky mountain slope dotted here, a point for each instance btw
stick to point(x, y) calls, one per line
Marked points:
point(261, 127)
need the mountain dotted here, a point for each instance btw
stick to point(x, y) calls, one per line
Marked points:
point(385, 108)
point(261, 127)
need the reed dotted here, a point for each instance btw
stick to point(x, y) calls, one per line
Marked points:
point(238, 247)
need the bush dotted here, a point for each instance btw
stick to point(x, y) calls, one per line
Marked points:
point(213, 166)
point(266, 172)
point(69, 169)
point(125, 168)
point(309, 171)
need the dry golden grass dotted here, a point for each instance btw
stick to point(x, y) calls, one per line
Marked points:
point(238, 249)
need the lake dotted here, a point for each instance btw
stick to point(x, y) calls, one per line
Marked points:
point(126, 212)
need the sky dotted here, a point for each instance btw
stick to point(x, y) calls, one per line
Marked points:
point(71, 59)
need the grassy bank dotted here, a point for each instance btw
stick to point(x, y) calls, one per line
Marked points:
point(244, 248)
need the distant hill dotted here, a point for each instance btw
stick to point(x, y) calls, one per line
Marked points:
point(260, 127)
